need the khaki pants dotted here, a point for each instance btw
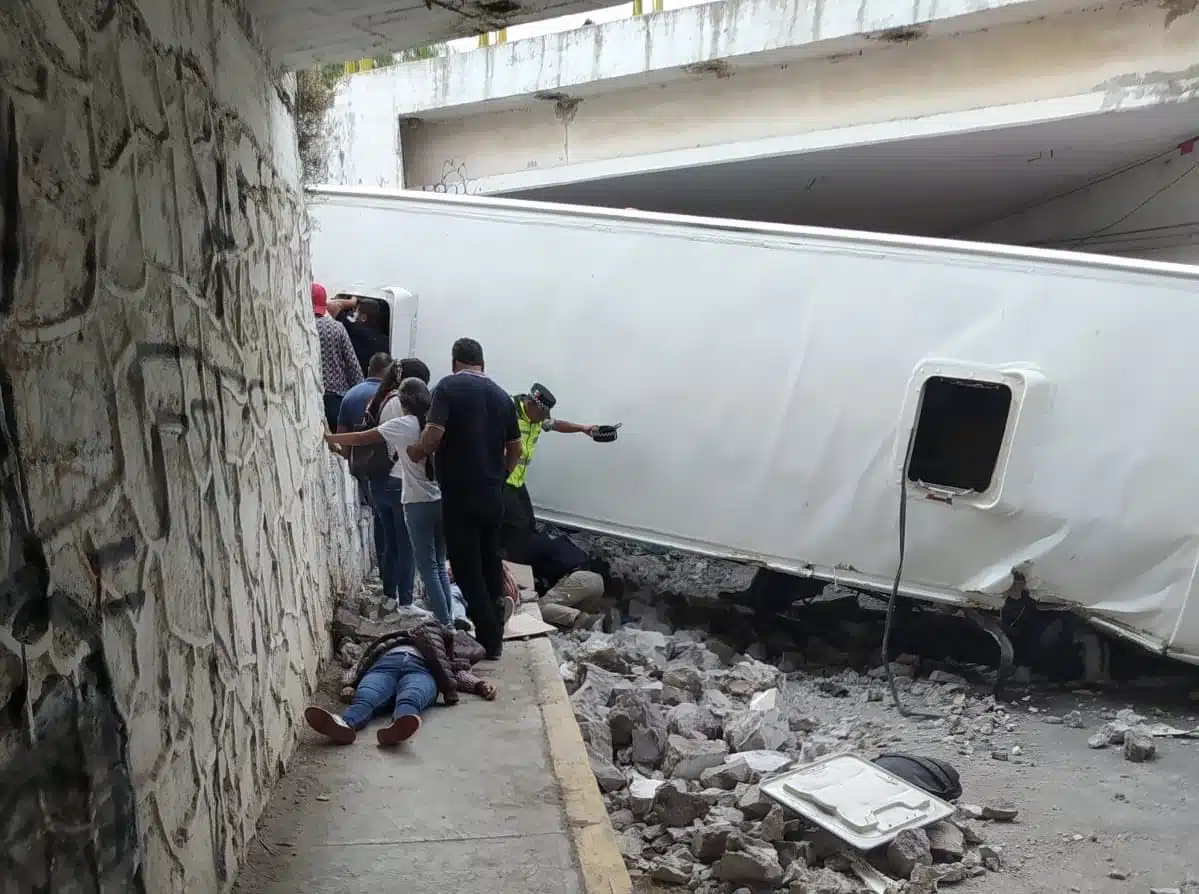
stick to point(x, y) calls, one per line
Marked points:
point(580, 592)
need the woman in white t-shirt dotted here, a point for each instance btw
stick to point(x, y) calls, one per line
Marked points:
point(421, 495)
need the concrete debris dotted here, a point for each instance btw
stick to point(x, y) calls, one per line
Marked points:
point(823, 881)
point(907, 850)
point(754, 804)
point(681, 728)
point(711, 843)
point(676, 806)
point(764, 701)
point(752, 730)
point(748, 677)
point(754, 863)
point(642, 793)
point(1138, 746)
point(1001, 811)
point(693, 721)
point(671, 870)
point(946, 842)
point(991, 856)
point(688, 758)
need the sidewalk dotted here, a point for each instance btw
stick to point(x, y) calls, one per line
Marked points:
point(489, 796)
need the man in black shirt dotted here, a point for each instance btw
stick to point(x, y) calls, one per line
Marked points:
point(364, 325)
point(473, 432)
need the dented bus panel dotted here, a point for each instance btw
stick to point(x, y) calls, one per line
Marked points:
point(783, 388)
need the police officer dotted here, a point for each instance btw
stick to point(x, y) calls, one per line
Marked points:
point(533, 414)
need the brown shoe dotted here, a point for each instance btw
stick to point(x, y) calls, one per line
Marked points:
point(401, 730)
point(329, 725)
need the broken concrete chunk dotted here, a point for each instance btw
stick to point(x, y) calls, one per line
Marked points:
point(608, 776)
point(1074, 720)
point(946, 842)
point(601, 650)
point(675, 806)
point(621, 819)
point(710, 844)
point(1114, 732)
point(824, 881)
point(648, 747)
point(1138, 746)
point(756, 731)
point(1099, 740)
point(991, 856)
point(685, 677)
point(693, 721)
point(671, 870)
point(642, 792)
point(749, 677)
point(754, 804)
point(969, 833)
point(631, 845)
point(1000, 811)
point(688, 758)
point(764, 701)
point(754, 863)
point(717, 702)
point(773, 825)
point(906, 851)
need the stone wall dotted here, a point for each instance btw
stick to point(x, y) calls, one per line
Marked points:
point(168, 507)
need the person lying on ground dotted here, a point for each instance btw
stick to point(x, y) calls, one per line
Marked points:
point(404, 671)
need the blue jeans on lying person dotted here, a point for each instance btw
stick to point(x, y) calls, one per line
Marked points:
point(399, 680)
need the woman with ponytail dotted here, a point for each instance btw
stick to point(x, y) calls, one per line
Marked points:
point(421, 496)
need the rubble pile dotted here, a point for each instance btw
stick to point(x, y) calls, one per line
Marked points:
point(680, 730)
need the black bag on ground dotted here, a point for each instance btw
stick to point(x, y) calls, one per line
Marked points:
point(936, 777)
point(370, 461)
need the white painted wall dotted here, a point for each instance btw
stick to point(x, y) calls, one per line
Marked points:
point(1081, 63)
point(172, 530)
point(1064, 65)
point(364, 135)
point(1150, 211)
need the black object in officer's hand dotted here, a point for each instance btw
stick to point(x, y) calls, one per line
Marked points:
point(605, 434)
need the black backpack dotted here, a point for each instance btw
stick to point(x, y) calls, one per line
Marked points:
point(936, 777)
point(370, 461)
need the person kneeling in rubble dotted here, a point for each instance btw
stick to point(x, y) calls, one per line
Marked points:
point(575, 591)
point(404, 671)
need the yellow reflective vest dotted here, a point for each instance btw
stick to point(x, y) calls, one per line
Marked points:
point(530, 431)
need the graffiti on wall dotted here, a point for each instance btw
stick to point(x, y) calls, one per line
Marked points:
point(453, 180)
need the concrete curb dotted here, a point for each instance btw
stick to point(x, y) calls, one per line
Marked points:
point(599, 858)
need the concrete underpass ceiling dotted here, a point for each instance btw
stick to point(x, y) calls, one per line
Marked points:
point(937, 186)
point(300, 33)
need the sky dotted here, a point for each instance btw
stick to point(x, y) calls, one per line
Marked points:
point(568, 23)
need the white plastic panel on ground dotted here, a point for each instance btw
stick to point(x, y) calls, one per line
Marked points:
point(858, 801)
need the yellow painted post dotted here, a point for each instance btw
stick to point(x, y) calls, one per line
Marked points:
point(485, 40)
point(658, 5)
point(636, 7)
point(502, 36)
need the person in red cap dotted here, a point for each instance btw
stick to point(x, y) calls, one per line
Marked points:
point(339, 364)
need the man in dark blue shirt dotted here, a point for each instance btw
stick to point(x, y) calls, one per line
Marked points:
point(473, 432)
point(356, 400)
point(349, 417)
